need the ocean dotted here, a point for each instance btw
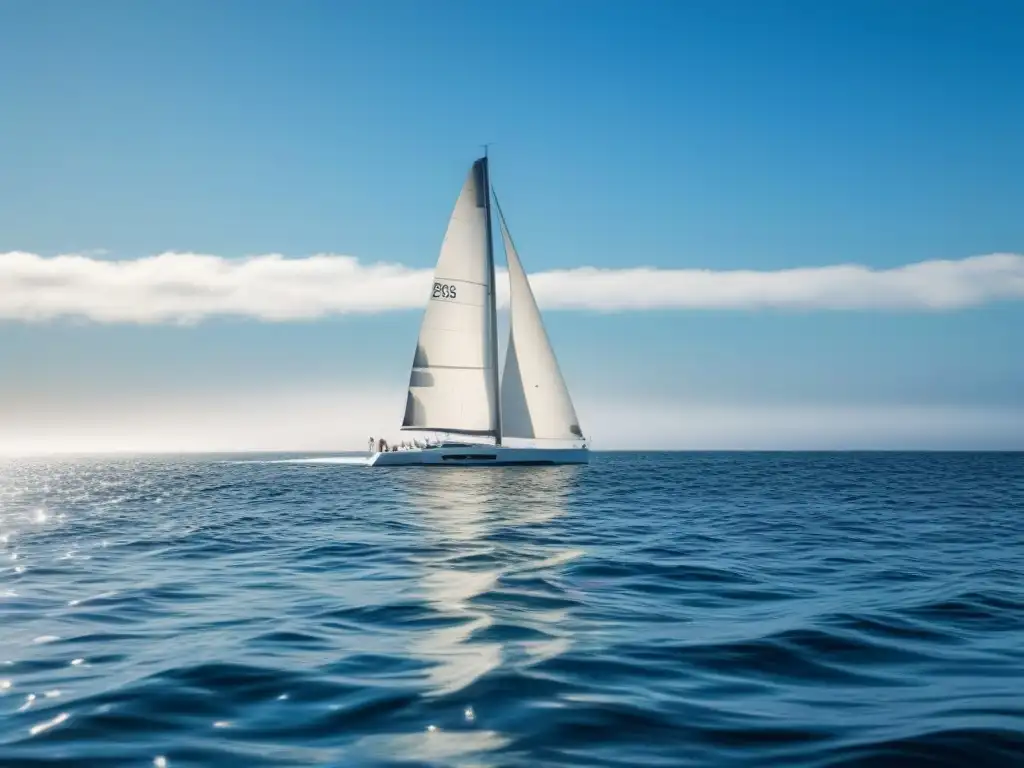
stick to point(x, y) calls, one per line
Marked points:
point(650, 609)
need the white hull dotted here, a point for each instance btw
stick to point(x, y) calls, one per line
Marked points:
point(478, 456)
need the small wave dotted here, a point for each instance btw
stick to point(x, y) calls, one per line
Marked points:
point(952, 746)
point(669, 610)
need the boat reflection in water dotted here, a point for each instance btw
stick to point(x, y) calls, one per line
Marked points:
point(493, 598)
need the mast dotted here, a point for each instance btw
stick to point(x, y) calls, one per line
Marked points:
point(495, 385)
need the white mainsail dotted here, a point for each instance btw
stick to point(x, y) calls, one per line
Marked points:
point(453, 383)
point(535, 402)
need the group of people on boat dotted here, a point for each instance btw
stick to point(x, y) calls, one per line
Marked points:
point(382, 445)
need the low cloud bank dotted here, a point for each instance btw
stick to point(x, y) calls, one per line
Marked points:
point(190, 287)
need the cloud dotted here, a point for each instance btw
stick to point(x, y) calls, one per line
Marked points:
point(189, 287)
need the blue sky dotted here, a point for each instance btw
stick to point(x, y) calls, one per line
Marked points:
point(706, 135)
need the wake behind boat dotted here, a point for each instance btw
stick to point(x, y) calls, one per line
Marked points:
point(454, 387)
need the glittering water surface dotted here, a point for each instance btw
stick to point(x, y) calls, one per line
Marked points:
point(646, 610)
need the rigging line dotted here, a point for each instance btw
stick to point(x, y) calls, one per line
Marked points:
point(504, 224)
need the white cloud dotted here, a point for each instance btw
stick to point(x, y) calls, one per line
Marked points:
point(188, 287)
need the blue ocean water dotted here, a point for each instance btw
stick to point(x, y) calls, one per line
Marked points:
point(667, 609)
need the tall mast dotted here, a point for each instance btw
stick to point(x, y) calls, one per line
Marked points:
point(495, 387)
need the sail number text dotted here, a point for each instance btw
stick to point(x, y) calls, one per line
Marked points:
point(443, 291)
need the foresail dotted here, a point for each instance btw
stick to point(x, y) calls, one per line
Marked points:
point(535, 402)
point(451, 384)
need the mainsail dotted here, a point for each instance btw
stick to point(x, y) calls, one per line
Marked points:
point(535, 402)
point(453, 383)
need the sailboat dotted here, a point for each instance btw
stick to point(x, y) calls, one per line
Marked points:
point(526, 417)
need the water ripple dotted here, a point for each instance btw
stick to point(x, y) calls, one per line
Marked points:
point(649, 609)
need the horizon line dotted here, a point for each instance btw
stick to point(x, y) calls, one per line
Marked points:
point(340, 452)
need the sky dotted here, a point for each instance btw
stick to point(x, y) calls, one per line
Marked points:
point(749, 224)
